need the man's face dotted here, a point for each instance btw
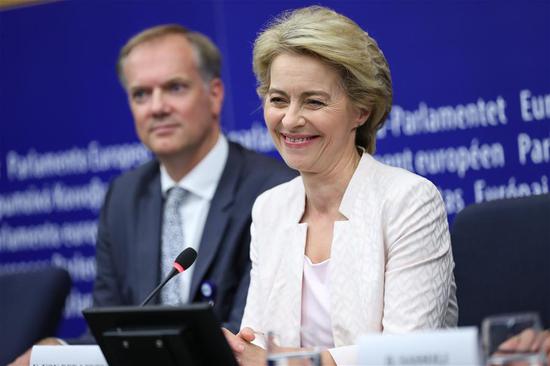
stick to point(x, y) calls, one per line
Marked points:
point(176, 112)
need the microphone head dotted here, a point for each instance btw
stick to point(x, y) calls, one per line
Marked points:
point(185, 259)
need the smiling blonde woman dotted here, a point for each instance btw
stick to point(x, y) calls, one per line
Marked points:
point(351, 246)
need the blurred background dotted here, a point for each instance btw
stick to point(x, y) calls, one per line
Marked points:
point(471, 107)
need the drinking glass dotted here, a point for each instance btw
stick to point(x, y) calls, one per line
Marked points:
point(278, 355)
point(495, 330)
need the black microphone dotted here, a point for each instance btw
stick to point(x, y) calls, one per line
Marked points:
point(182, 262)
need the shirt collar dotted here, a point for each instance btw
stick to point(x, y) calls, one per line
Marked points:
point(203, 179)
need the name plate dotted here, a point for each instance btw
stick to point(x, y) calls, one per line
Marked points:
point(454, 347)
point(67, 355)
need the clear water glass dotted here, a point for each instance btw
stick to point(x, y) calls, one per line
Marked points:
point(278, 355)
point(495, 330)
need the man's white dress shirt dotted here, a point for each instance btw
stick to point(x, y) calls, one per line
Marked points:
point(200, 185)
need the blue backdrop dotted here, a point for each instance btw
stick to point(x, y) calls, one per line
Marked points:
point(471, 109)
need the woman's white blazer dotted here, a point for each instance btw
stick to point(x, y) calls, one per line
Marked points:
point(391, 265)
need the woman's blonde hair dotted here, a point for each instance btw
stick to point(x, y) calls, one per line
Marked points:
point(338, 41)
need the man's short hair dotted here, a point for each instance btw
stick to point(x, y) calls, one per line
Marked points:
point(207, 55)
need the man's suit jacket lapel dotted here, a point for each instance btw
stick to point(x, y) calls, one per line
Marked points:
point(218, 218)
point(148, 236)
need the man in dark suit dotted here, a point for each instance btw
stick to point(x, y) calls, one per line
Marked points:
point(172, 77)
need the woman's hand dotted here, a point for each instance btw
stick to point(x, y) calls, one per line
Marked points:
point(245, 352)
